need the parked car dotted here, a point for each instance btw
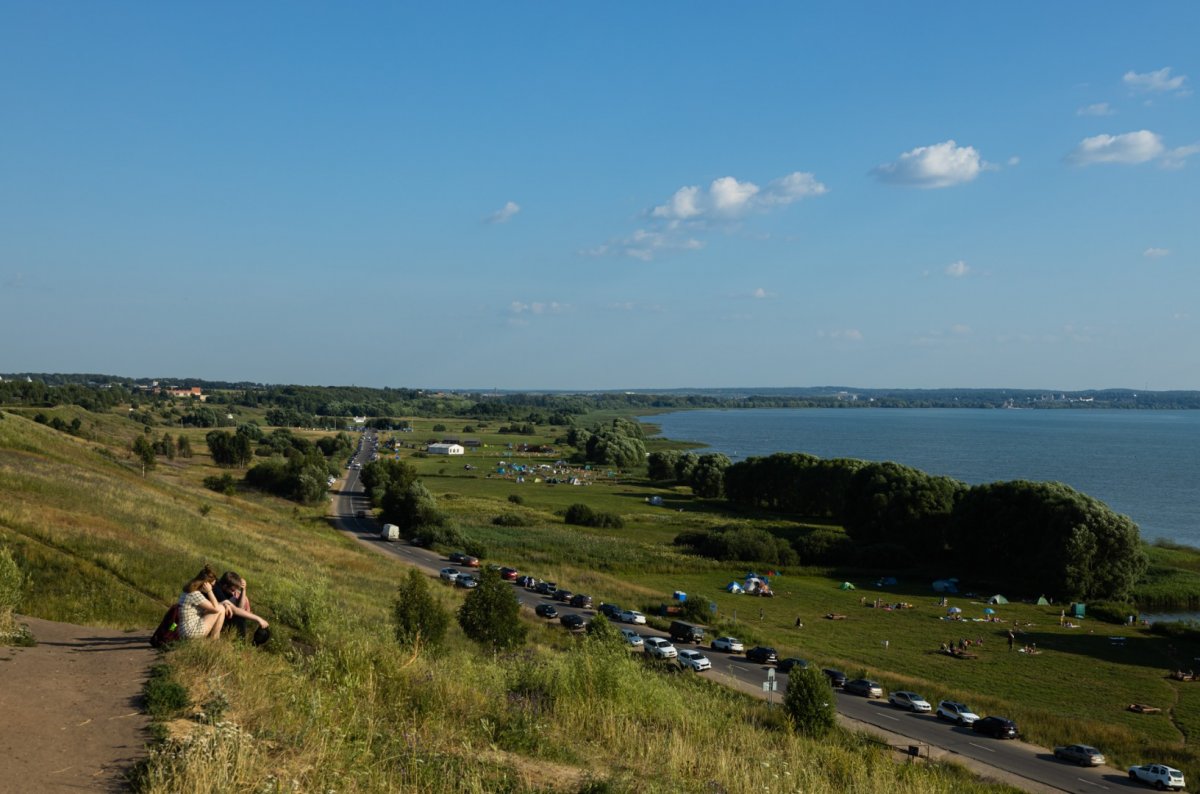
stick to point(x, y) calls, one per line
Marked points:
point(864, 687)
point(546, 611)
point(449, 574)
point(581, 601)
point(996, 727)
point(1160, 776)
point(1082, 754)
point(610, 611)
point(525, 580)
point(659, 648)
point(466, 581)
point(469, 561)
point(632, 637)
point(836, 677)
point(909, 700)
point(786, 665)
point(563, 595)
point(694, 660)
point(682, 631)
point(545, 588)
point(956, 712)
point(573, 622)
point(457, 557)
point(633, 616)
point(508, 574)
point(762, 655)
point(728, 644)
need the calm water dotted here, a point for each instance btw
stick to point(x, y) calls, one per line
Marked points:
point(1145, 464)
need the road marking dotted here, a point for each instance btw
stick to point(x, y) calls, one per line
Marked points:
point(1092, 783)
point(981, 747)
point(890, 717)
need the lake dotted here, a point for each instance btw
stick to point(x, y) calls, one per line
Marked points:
point(1145, 464)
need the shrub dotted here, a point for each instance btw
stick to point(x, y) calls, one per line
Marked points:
point(1111, 611)
point(420, 621)
point(439, 428)
point(511, 520)
point(12, 583)
point(223, 484)
point(165, 697)
point(490, 615)
point(808, 702)
point(516, 498)
point(584, 516)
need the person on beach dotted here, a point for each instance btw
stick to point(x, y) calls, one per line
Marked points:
point(200, 614)
point(232, 594)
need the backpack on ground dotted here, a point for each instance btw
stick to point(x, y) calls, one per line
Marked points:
point(168, 630)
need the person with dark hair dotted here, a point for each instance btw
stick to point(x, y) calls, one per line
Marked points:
point(200, 613)
point(233, 596)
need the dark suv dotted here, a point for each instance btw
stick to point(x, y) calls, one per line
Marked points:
point(546, 588)
point(997, 727)
point(836, 677)
point(761, 655)
point(610, 611)
point(581, 601)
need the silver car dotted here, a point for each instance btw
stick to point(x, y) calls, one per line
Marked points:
point(694, 660)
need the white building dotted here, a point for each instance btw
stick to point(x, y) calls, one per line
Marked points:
point(446, 449)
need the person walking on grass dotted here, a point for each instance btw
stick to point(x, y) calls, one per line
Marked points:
point(200, 614)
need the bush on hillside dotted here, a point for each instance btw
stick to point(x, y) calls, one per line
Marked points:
point(808, 702)
point(420, 620)
point(584, 516)
point(511, 520)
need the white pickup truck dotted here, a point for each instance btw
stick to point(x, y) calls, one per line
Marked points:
point(1161, 776)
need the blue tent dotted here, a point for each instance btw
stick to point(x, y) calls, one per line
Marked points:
point(945, 586)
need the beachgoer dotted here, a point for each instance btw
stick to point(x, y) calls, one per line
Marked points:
point(1011, 637)
point(799, 623)
point(200, 614)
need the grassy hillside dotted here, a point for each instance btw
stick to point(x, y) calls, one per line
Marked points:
point(332, 704)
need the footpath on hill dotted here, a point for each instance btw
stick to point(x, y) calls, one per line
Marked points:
point(71, 708)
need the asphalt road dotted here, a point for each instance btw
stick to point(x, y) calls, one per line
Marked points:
point(1021, 764)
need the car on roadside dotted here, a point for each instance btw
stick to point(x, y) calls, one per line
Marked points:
point(545, 611)
point(466, 580)
point(449, 574)
point(573, 622)
point(727, 644)
point(545, 588)
point(581, 601)
point(996, 727)
point(694, 660)
point(956, 712)
point(1161, 776)
point(762, 655)
point(1082, 754)
point(633, 616)
point(789, 664)
point(659, 648)
point(462, 558)
point(562, 595)
point(508, 574)
point(633, 638)
point(903, 699)
point(836, 677)
point(610, 611)
point(525, 580)
point(864, 687)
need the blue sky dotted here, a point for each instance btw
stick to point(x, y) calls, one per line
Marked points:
point(620, 195)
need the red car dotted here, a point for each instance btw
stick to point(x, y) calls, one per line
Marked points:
point(508, 574)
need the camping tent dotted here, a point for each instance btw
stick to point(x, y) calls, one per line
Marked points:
point(945, 586)
point(846, 586)
point(1042, 602)
point(997, 599)
point(734, 587)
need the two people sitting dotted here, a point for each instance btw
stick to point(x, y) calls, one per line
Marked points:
point(207, 604)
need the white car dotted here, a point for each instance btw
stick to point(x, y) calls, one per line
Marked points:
point(633, 616)
point(956, 712)
point(660, 648)
point(632, 637)
point(911, 701)
point(1161, 776)
point(694, 660)
point(728, 644)
point(449, 574)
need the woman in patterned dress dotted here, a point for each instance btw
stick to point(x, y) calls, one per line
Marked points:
point(200, 614)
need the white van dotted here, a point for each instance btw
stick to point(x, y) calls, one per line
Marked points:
point(389, 532)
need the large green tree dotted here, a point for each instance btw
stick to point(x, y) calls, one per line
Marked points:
point(490, 614)
point(894, 504)
point(1045, 537)
point(808, 702)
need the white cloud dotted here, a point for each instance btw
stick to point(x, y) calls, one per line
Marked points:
point(1156, 253)
point(852, 334)
point(1014, 161)
point(504, 214)
point(760, 293)
point(1157, 82)
point(941, 165)
point(537, 307)
point(960, 329)
point(728, 198)
point(1177, 157)
point(1128, 148)
point(957, 269)
point(1098, 109)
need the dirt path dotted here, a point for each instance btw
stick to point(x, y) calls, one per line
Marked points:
point(70, 717)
